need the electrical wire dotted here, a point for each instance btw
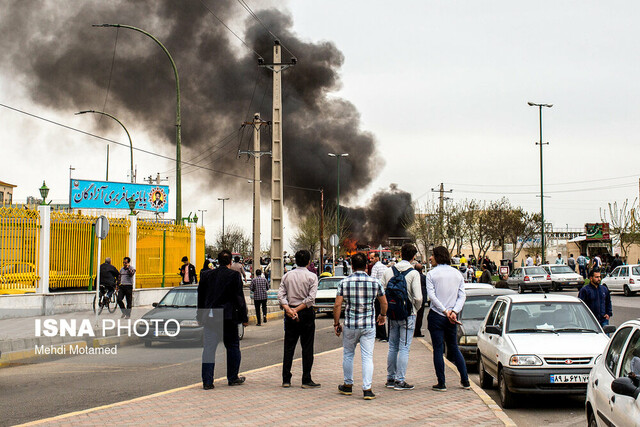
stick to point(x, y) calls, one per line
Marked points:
point(575, 190)
point(252, 13)
point(536, 185)
point(113, 60)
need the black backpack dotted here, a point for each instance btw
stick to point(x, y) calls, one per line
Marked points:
point(399, 306)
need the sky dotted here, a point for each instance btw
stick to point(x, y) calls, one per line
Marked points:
point(441, 86)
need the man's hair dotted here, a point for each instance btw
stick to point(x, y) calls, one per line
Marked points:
point(107, 260)
point(408, 251)
point(302, 258)
point(420, 267)
point(441, 255)
point(560, 255)
point(571, 255)
point(185, 259)
point(127, 259)
point(236, 258)
point(528, 255)
point(258, 272)
point(224, 257)
point(359, 261)
point(327, 268)
point(593, 271)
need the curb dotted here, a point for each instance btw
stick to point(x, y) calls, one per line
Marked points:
point(491, 404)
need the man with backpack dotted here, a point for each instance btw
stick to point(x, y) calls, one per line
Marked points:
point(404, 298)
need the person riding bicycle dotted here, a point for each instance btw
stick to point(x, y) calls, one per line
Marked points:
point(109, 278)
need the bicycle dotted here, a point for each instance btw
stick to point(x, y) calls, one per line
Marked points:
point(109, 303)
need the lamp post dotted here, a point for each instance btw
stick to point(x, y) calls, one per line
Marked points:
point(542, 231)
point(337, 156)
point(202, 211)
point(132, 205)
point(44, 192)
point(125, 129)
point(223, 199)
point(178, 120)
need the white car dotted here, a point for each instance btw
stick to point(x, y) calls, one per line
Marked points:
point(326, 295)
point(468, 286)
point(562, 276)
point(538, 344)
point(612, 397)
point(624, 278)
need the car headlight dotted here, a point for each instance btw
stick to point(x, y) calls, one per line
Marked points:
point(189, 323)
point(525, 360)
point(468, 339)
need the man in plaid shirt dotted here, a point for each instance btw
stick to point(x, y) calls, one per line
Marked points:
point(358, 291)
point(259, 286)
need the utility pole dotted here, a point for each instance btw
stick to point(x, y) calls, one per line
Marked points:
point(441, 190)
point(257, 123)
point(277, 203)
point(157, 179)
point(202, 211)
point(223, 199)
point(321, 266)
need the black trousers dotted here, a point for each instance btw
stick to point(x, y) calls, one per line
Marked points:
point(381, 331)
point(303, 329)
point(258, 304)
point(419, 317)
point(210, 344)
point(125, 291)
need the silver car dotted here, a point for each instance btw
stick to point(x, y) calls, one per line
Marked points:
point(533, 278)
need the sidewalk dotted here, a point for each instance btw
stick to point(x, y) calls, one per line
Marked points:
point(261, 401)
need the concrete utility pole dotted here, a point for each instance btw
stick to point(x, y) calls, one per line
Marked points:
point(223, 199)
point(277, 203)
point(441, 190)
point(202, 211)
point(157, 179)
point(321, 266)
point(256, 153)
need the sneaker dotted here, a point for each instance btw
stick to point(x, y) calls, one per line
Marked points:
point(123, 316)
point(439, 387)
point(310, 384)
point(465, 385)
point(239, 381)
point(208, 386)
point(390, 383)
point(403, 386)
point(265, 320)
point(258, 324)
point(286, 384)
point(346, 389)
point(384, 340)
point(368, 395)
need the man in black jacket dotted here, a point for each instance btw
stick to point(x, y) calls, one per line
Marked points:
point(109, 277)
point(187, 272)
point(221, 288)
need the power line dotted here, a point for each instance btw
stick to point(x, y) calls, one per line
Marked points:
point(575, 190)
point(252, 13)
point(536, 185)
point(113, 60)
point(119, 143)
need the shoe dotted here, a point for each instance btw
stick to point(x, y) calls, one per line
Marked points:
point(238, 381)
point(439, 387)
point(265, 320)
point(310, 384)
point(418, 336)
point(286, 384)
point(123, 316)
point(390, 383)
point(384, 340)
point(465, 385)
point(368, 395)
point(128, 316)
point(403, 386)
point(208, 386)
point(346, 389)
point(258, 324)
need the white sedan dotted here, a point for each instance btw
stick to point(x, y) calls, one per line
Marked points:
point(562, 276)
point(624, 278)
point(326, 295)
point(538, 344)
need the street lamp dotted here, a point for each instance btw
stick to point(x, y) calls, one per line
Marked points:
point(223, 199)
point(132, 204)
point(178, 120)
point(44, 192)
point(195, 219)
point(125, 129)
point(202, 211)
point(531, 104)
point(337, 156)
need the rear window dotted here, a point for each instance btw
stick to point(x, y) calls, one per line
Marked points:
point(636, 270)
point(477, 307)
point(329, 283)
point(180, 298)
point(561, 269)
point(534, 270)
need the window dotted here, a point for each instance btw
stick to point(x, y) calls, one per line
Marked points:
point(615, 348)
point(476, 307)
point(515, 272)
point(9, 198)
point(560, 317)
point(631, 359)
point(494, 311)
point(615, 272)
point(636, 270)
point(624, 271)
point(500, 315)
point(1, 197)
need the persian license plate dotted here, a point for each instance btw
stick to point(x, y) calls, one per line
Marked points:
point(568, 378)
point(160, 333)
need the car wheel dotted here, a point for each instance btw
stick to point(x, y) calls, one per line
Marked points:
point(147, 343)
point(554, 287)
point(627, 291)
point(520, 289)
point(592, 420)
point(507, 398)
point(486, 381)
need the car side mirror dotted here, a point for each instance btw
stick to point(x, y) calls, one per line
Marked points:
point(609, 329)
point(626, 387)
point(493, 329)
point(155, 304)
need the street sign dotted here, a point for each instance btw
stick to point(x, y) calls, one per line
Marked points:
point(333, 240)
point(102, 227)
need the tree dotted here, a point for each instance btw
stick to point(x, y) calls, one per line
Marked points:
point(475, 220)
point(308, 235)
point(423, 227)
point(235, 240)
point(522, 230)
point(622, 224)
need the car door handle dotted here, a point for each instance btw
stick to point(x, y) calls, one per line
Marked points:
point(595, 383)
point(613, 399)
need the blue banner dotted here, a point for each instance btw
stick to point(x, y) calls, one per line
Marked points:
point(114, 195)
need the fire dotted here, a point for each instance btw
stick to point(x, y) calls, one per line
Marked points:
point(350, 246)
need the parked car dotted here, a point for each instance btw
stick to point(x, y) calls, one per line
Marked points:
point(477, 285)
point(475, 309)
point(612, 397)
point(532, 278)
point(538, 344)
point(562, 276)
point(624, 278)
point(326, 295)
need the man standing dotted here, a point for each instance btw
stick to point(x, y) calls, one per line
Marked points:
point(597, 297)
point(420, 315)
point(109, 277)
point(463, 259)
point(486, 275)
point(571, 262)
point(296, 296)
point(259, 286)
point(559, 260)
point(237, 266)
point(582, 265)
point(358, 291)
point(529, 261)
point(221, 288)
point(187, 272)
point(126, 287)
point(377, 272)
point(401, 329)
point(615, 263)
point(445, 287)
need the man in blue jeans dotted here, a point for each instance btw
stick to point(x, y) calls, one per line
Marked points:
point(445, 288)
point(358, 291)
point(401, 331)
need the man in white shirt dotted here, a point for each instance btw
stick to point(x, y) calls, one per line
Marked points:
point(529, 261)
point(377, 272)
point(559, 260)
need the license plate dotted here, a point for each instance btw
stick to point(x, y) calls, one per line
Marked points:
point(160, 333)
point(568, 378)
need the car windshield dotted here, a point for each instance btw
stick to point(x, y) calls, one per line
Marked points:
point(534, 270)
point(180, 298)
point(551, 316)
point(329, 283)
point(476, 307)
point(561, 269)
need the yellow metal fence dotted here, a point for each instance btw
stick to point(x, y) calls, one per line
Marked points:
point(19, 244)
point(160, 249)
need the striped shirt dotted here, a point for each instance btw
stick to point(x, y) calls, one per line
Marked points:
point(259, 286)
point(359, 292)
